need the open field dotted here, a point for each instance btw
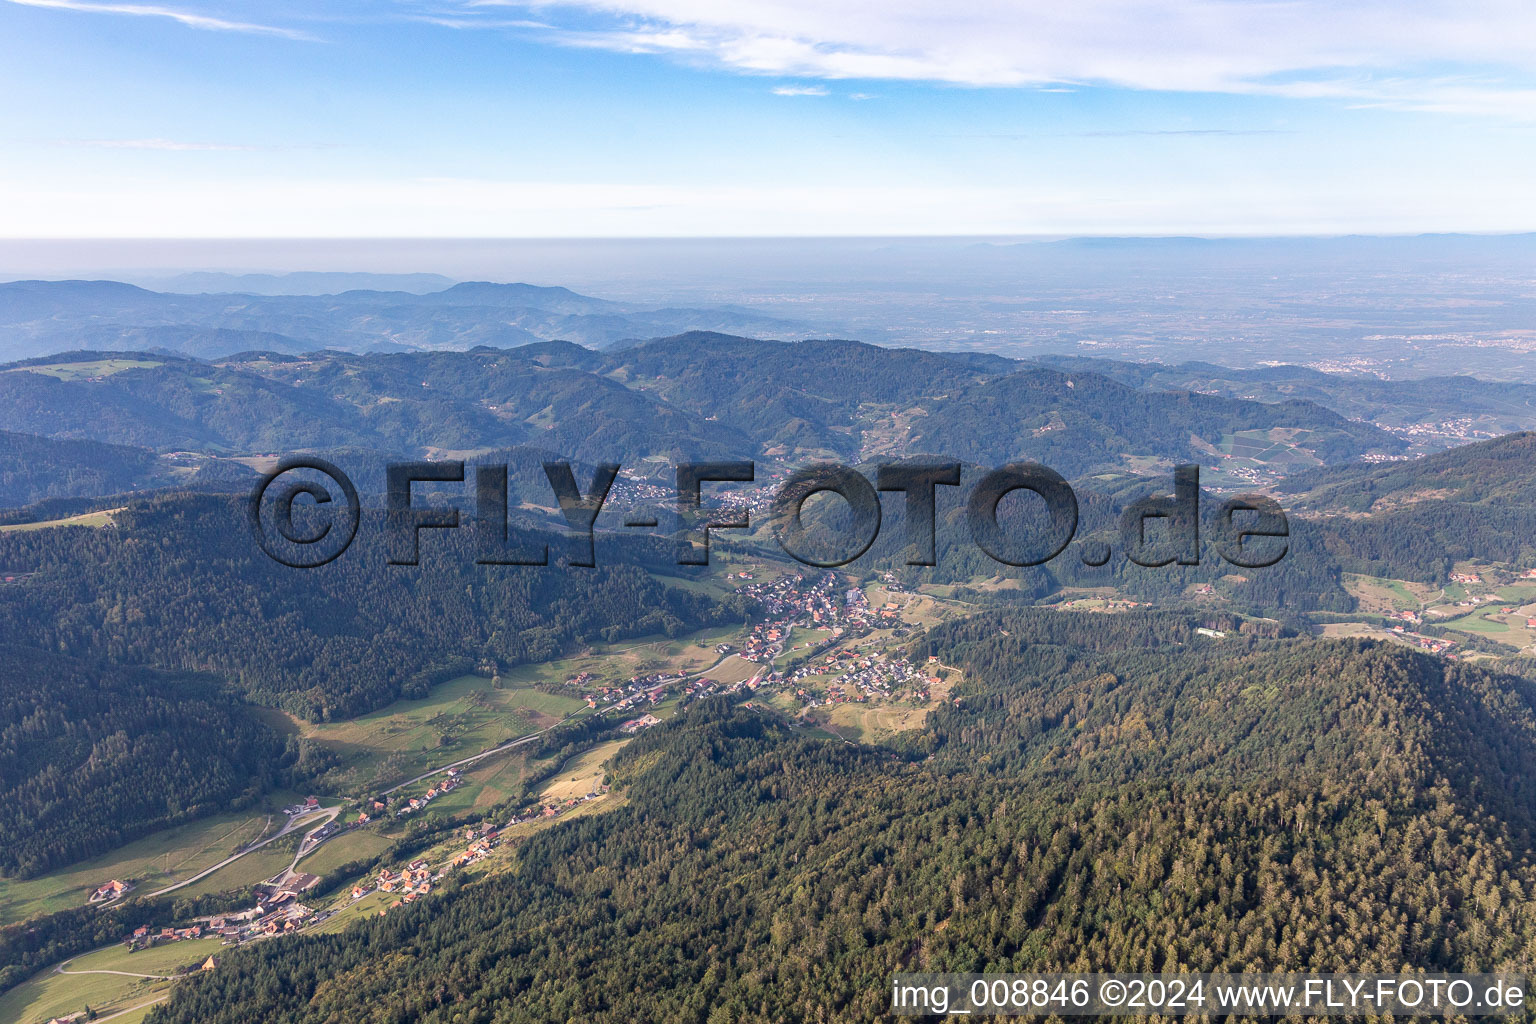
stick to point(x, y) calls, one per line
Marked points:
point(1380, 596)
point(583, 775)
point(484, 784)
point(457, 719)
point(734, 670)
point(153, 862)
point(100, 518)
point(798, 644)
point(256, 866)
point(78, 371)
point(354, 845)
point(163, 959)
point(871, 723)
point(615, 663)
point(923, 608)
point(52, 994)
point(1277, 446)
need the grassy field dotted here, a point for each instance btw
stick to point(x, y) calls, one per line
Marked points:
point(155, 861)
point(483, 784)
point(52, 994)
point(457, 719)
point(101, 518)
point(871, 723)
point(163, 959)
point(1383, 596)
point(354, 845)
point(94, 368)
point(256, 866)
point(799, 643)
point(615, 663)
point(1278, 446)
point(583, 775)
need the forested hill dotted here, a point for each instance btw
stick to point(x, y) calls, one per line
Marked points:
point(1104, 793)
point(1415, 520)
point(34, 468)
point(179, 584)
point(1074, 422)
point(1500, 471)
point(93, 756)
point(1427, 403)
point(695, 396)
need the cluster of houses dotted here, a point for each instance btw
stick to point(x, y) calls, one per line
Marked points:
point(1433, 644)
point(859, 677)
point(793, 600)
point(278, 911)
point(411, 883)
point(448, 785)
point(639, 691)
point(416, 879)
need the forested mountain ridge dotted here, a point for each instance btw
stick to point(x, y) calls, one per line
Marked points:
point(1415, 519)
point(52, 316)
point(1422, 406)
point(1074, 422)
point(35, 468)
point(179, 584)
point(1103, 794)
point(92, 756)
point(1501, 471)
point(696, 396)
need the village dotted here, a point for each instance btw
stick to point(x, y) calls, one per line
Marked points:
point(818, 642)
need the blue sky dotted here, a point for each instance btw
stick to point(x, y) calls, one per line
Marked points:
point(764, 117)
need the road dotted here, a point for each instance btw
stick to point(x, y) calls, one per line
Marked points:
point(292, 826)
point(127, 974)
point(535, 735)
point(130, 1009)
point(332, 812)
point(473, 758)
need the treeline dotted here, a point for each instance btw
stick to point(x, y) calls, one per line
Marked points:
point(1106, 793)
point(180, 584)
point(92, 756)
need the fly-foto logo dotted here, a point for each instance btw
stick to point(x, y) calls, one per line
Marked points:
point(1249, 531)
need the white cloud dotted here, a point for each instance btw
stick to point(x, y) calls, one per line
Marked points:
point(1443, 55)
point(188, 18)
point(799, 90)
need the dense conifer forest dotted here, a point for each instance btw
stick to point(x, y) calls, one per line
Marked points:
point(93, 756)
point(179, 584)
point(1103, 793)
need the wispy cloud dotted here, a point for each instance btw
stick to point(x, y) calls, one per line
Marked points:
point(1461, 56)
point(185, 146)
point(171, 145)
point(799, 90)
point(189, 18)
point(1196, 132)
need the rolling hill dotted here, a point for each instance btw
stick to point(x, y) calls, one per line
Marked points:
point(697, 395)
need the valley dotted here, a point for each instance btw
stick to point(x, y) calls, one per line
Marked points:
point(367, 762)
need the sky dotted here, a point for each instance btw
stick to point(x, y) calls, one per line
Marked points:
point(707, 118)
